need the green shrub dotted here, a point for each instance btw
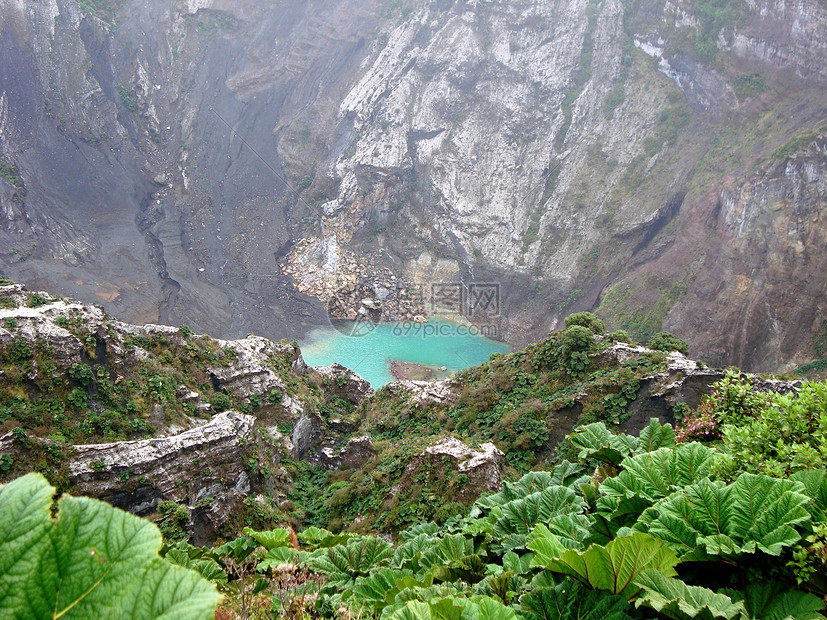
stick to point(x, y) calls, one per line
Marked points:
point(220, 402)
point(449, 510)
point(586, 319)
point(577, 338)
point(12, 175)
point(36, 300)
point(576, 342)
point(78, 399)
point(749, 85)
point(621, 335)
point(18, 352)
point(128, 98)
point(664, 341)
point(775, 434)
point(6, 464)
point(82, 373)
point(173, 520)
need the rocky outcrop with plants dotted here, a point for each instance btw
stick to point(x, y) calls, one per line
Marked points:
point(140, 416)
point(209, 435)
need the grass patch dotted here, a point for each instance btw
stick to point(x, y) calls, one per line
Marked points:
point(798, 142)
point(11, 174)
point(623, 303)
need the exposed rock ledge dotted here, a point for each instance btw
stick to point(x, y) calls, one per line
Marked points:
point(683, 381)
point(483, 468)
point(425, 392)
point(202, 463)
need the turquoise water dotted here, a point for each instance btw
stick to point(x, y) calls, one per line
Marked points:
point(435, 343)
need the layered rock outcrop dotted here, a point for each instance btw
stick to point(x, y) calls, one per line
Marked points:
point(442, 462)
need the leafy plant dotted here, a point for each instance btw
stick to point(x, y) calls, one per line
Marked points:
point(587, 320)
point(616, 566)
point(672, 598)
point(128, 98)
point(90, 561)
point(570, 600)
point(664, 341)
point(755, 513)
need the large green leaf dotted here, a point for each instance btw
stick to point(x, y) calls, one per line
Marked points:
point(206, 567)
point(429, 528)
point(450, 608)
point(238, 549)
point(279, 537)
point(545, 545)
point(521, 515)
point(572, 529)
point(564, 474)
point(815, 485)
point(674, 599)
point(616, 566)
point(598, 442)
point(453, 557)
point(344, 563)
point(775, 601)
point(572, 601)
point(656, 436)
point(518, 564)
point(413, 610)
point(447, 551)
point(379, 589)
point(91, 561)
point(754, 513)
point(431, 594)
point(651, 476)
point(487, 608)
point(320, 538)
point(276, 557)
point(408, 553)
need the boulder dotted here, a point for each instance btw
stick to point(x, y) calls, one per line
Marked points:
point(426, 392)
point(353, 455)
point(341, 382)
point(482, 468)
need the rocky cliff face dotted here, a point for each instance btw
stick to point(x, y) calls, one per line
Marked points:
point(210, 163)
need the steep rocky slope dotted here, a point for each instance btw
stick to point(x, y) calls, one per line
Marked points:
point(209, 163)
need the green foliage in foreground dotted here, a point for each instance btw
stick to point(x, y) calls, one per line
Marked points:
point(88, 561)
point(639, 527)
